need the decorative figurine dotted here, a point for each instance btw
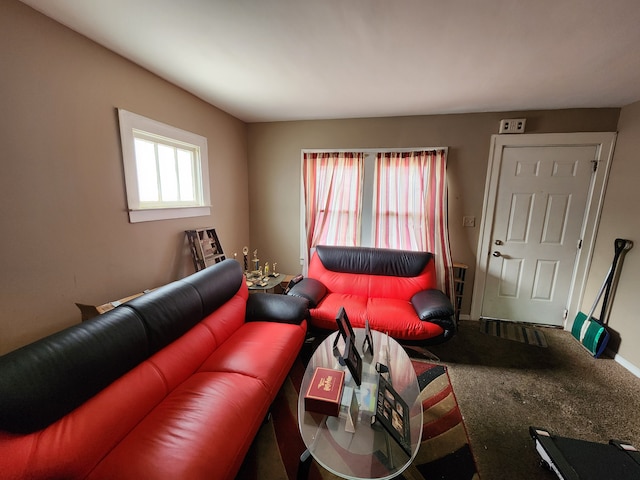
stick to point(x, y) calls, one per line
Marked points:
point(266, 269)
point(273, 271)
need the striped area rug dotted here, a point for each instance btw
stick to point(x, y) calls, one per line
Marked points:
point(444, 454)
point(513, 331)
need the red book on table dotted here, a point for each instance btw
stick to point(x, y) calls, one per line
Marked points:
point(325, 391)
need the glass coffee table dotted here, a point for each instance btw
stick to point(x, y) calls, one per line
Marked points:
point(370, 452)
point(264, 284)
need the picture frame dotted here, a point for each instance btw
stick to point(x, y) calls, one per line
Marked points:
point(351, 358)
point(344, 325)
point(345, 330)
point(393, 413)
point(367, 343)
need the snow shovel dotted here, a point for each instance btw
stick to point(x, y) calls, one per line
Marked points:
point(589, 331)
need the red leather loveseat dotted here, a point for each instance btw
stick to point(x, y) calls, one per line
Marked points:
point(172, 385)
point(394, 289)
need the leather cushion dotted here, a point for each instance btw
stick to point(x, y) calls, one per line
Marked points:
point(279, 308)
point(47, 379)
point(263, 350)
point(202, 430)
point(310, 289)
point(396, 317)
point(373, 261)
point(216, 284)
point(432, 303)
point(168, 312)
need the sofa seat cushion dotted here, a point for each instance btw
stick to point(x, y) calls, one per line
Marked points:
point(263, 350)
point(72, 446)
point(405, 325)
point(202, 430)
point(394, 316)
point(324, 315)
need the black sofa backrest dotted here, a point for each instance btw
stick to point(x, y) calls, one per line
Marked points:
point(45, 380)
point(167, 313)
point(373, 261)
point(172, 310)
point(216, 284)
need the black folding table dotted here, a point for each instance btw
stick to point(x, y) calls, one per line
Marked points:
point(573, 459)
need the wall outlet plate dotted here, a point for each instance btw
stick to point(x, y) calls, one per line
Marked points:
point(512, 125)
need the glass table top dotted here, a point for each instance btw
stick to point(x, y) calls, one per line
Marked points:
point(264, 283)
point(370, 452)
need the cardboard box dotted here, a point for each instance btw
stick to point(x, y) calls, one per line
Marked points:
point(325, 392)
point(90, 311)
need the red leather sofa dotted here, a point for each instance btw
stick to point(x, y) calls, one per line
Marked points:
point(394, 289)
point(172, 385)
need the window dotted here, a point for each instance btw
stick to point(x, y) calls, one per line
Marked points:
point(166, 170)
point(381, 198)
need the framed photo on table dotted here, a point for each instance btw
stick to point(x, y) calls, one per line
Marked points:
point(393, 413)
point(344, 325)
point(351, 358)
point(367, 343)
point(345, 331)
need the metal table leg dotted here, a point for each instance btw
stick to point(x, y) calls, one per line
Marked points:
point(304, 465)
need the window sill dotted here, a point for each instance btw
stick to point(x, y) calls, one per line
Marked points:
point(150, 215)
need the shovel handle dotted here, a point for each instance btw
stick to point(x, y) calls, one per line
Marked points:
point(621, 244)
point(621, 247)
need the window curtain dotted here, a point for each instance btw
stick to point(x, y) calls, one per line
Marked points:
point(410, 207)
point(333, 199)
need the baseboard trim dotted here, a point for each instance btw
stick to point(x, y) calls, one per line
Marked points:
point(625, 363)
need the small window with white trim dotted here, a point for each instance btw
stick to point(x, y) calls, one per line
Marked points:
point(165, 169)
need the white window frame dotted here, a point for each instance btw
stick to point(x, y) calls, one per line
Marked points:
point(132, 124)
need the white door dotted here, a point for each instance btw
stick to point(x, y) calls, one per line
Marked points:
point(542, 191)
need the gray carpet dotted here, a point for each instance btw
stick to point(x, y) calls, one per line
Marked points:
point(503, 387)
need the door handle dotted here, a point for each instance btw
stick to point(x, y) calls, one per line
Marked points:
point(496, 254)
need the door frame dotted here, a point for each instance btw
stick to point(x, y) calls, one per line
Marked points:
point(605, 141)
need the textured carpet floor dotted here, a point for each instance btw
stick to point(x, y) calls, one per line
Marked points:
point(444, 453)
point(503, 387)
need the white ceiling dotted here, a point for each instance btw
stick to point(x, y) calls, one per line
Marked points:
point(269, 60)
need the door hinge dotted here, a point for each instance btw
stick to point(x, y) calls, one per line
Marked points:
point(595, 165)
point(579, 244)
point(565, 314)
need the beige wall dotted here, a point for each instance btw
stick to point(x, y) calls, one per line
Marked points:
point(65, 232)
point(274, 168)
point(620, 220)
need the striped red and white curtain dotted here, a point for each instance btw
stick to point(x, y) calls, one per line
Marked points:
point(410, 207)
point(333, 199)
